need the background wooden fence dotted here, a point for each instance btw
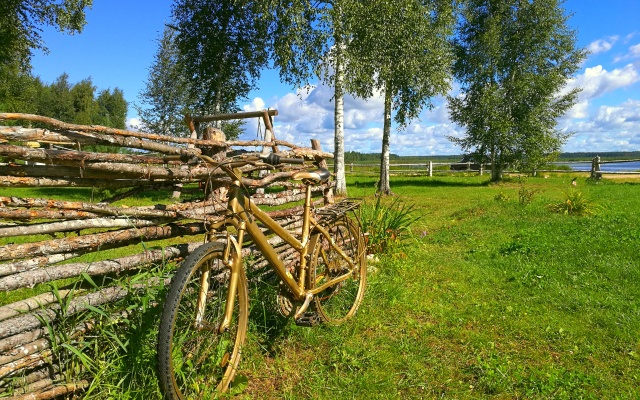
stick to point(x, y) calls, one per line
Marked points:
point(430, 168)
point(61, 258)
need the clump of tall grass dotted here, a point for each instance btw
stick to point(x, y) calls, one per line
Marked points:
point(385, 225)
point(574, 203)
point(525, 195)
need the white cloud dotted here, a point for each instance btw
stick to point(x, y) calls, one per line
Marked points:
point(609, 128)
point(256, 104)
point(302, 118)
point(596, 82)
point(629, 37)
point(602, 45)
point(309, 113)
point(134, 124)
point(632, 54)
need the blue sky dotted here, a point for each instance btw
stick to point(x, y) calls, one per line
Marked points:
point(118, 43)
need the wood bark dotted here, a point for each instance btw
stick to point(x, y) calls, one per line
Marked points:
point(105, 240)
point(34, 277)
point(384, 187)
point(23, 351)
point(12, 181)
point(28, 361)
point(102, 129)
point(21, 338)
point(322, 163)
point(56, 391)
point(15, 214)
point(73, 157)
point(74, 225)
point(35, 376)
point(33, 303)
point(338, 166)
point(112, 175)
point(70, 137)
point(36, 386)
point(32, 321)
point(34, 263)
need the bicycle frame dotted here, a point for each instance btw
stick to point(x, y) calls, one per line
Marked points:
point(243, 214)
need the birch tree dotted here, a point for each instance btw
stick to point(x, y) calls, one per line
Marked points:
point(309, 39)
point(513, 59)
point(165, 96)
point(402, 49)
point(222, 50)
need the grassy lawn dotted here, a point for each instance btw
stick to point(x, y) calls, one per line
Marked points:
point(491, 297)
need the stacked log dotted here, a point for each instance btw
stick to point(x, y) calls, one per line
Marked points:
point(59, 243)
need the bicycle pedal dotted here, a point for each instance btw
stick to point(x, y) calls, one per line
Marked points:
point(309, 319)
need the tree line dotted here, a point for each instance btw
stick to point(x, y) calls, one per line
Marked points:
point(511, 59)
point(78, 103)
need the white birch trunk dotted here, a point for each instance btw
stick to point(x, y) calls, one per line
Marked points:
point(384, 187)
point(338, 151)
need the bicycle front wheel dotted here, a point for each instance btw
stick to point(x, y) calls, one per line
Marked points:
point(339, 302)
point(195, 359)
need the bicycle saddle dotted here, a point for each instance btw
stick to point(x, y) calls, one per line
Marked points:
point(314, 176)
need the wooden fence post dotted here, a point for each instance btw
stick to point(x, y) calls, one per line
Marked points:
point(430, 168)
point(595, 168)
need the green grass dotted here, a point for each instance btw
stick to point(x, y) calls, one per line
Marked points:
point(492, 296)
point(488, 300)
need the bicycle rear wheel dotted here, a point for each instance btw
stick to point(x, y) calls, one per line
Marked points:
point(339, 302)
point(195, 360)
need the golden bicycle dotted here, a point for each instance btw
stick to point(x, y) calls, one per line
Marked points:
point(204, 320)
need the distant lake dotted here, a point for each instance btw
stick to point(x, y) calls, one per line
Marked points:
point(613, 167)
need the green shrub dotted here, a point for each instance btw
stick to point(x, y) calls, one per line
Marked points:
point(574, 203)
point(501, 198)
point(386, 224)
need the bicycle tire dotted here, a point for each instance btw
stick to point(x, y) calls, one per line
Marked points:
point(195, 361)
point(339, 302)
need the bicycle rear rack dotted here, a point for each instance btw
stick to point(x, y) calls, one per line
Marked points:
point(337, 210)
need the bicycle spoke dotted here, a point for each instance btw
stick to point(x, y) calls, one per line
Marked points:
point(339, 301)
point(195, 358)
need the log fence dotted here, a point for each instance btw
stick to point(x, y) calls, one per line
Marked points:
point(50, 248)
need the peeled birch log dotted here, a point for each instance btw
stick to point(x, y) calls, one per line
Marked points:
point(123, 175)
point(96, 208)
